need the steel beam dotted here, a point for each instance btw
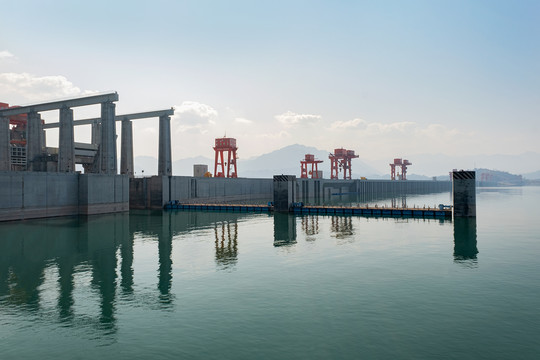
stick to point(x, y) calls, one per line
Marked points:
point(134, 116)
point(58, 104)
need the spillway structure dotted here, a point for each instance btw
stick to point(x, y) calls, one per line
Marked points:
point(37, 180)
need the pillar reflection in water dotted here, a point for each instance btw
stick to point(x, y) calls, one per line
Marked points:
point(284, 229)
point(465, 248)
point(310, 226)
point(126, 253)
point(165, 261)
point(102, 235)
point(226, 235)
point(342, 226)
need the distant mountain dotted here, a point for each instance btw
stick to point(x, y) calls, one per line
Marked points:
point(487, 177)
point(283, 161)
point(184, 167)
point(532, 176)
point(287, 161)
point(433, 164)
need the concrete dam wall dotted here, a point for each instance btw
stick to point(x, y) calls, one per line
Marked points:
point(154, 192)
point(27, 195)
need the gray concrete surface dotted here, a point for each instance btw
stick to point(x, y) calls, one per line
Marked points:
point(464, 193)
point(26, 195)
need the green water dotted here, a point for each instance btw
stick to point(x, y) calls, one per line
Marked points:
point(203, 285)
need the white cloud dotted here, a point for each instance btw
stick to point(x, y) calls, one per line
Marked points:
point(355, 123)
point(279, 135)
point(26, 87)
point(4, 54)
point(193, 113)
point(193, 129)
point(243, 121)
point(374, 128)
point(290, 118)
point(194, 118)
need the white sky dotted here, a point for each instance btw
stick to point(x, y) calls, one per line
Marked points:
point(384, 78)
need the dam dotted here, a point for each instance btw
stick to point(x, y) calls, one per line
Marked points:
point(39, 181)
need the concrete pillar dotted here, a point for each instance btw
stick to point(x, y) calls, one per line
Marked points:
point(96, 132)
point(66, 145)
point(464, 193)
point(5, 148)
point(164, 154)
point(34, 145)
point(284, 187)
point(126, 148)
point(107, 147)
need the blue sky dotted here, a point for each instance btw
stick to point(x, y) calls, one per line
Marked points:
point(385, 78)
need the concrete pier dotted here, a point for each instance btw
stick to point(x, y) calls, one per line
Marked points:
point(164, 154)
point(284, 189)
point(126, 148)
point(34, 143)
point(464, 193)
point(5, 149)
point(107, 148)
point(66, 148)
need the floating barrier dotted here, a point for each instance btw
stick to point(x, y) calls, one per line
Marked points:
point(300, 208)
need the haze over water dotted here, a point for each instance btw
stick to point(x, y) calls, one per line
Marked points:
point(215, 285)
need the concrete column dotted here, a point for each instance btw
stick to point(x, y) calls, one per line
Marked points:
point(164, 154)
point(107, 147)
point(284, 188)
point(5, 148)
point(464, 193)
point(96, 132)
point(34, 145)
point(126, 148)
point(66, 145)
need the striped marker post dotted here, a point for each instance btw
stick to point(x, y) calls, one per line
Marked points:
point(464, 193)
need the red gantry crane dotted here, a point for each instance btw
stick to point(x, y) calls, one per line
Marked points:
point(227, 145)
point(399, 162)
point(17, 125)
point(341, 160)
point(310, 160)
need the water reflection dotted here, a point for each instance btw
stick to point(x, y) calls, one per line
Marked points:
point(165, 236)
point(226, 243)
point(310, 226)
point(284, 229)
point(30, 250)
point(465, 248)
point(98, 252)
point(342, 227)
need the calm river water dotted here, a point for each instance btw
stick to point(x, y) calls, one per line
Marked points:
point(208, 285)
